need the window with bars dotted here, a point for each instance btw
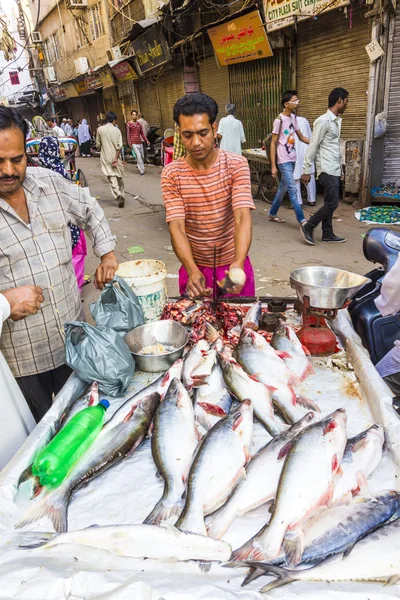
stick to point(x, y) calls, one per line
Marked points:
point(96, 21)
point(80, 30)
point(14, 77)
point(52, 49)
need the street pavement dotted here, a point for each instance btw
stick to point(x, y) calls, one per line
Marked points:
point(277, 249)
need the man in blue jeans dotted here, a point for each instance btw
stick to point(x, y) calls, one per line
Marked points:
point(324, 149)
point(283, 156)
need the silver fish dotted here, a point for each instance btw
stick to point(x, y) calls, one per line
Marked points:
point(243, 386)
point(217, 468)
point(173, 444)
point(362, 455)
point(286, 342)
point(260, 485)
point(305, 484)
point(336, 530)
point(260, 361)
point(201, 359)
point(252, 318)
point(122, 434)
point(139, 541)
point(212, 401)
point(375, 558)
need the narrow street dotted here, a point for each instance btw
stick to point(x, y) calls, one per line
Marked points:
point(276, 250)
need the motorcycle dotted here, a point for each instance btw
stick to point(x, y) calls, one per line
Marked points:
point(153, 152)
point(377, 333)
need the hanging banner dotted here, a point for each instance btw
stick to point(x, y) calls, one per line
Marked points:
point(151, 49)
point(124, 71)
point(240, 40)
point(93, 82)
point(282, 13)
point(106, 78)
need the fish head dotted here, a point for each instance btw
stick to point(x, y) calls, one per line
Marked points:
point(242, 421)
point(390, 498)
point(94, 394)
point(303, 422)
point(175, 371)
point(367, 452)
point(181, 396)
point(149, 404)
point(334, 429)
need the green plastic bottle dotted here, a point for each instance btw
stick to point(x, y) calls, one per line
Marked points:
point(56, 460)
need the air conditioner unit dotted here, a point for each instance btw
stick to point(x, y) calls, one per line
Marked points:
point(36, 37)
point(50, 74)
point(81, 65)
point(77, 3)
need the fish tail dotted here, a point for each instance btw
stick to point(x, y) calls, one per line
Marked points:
point(36, 540)
point(192, 521)
point(25, 475)
point(253, 574)
point(218, 523)
point(204, 566)
point(293, 546)
point(163, 510)
point(283, 577)
point(245, 552)
point(56, 511)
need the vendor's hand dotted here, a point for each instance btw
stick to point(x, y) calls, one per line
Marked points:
point(274, 172)
point(236, 289)
point(24, 301)
point(305, 178)
point(196, 286)
point(106, 271)
point(114, 162)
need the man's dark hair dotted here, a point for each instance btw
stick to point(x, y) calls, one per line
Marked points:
point(286, 96)
point(230, 108)
point(196, 104)
point(134, 110)
point(10, 118)
point(336, 95)
point(110, 117)
point(48, 117)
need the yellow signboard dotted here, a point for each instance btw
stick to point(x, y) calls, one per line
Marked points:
point(240, 40)
point(282, 13)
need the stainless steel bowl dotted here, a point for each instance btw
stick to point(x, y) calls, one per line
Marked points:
point(326, 287)
point(165, 332)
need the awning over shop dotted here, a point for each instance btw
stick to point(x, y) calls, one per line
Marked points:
point(63, 91)
point(283, 13)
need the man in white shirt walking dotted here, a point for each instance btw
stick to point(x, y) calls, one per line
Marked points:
point(230, 131)
point(324, 148)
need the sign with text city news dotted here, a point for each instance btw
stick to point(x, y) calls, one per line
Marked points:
point(240, 40)
point(282, 13)
point(151, 49)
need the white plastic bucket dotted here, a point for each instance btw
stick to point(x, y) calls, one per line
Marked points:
point(147, 279)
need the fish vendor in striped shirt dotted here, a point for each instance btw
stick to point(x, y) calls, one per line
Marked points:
point(207, 196)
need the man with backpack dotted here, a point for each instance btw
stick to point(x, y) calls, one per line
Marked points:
point(283, 156)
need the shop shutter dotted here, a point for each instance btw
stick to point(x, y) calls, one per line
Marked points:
point(170, 89)
point(332, 54)
point(111, 103)
point(128, 97)
point(256, 88)
point(148, 102)
point(214, 82)
point(391, 169)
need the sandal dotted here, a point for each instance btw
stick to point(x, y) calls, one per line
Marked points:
point(276, 219)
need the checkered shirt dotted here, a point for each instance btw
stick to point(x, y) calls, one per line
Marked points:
point(41, 254)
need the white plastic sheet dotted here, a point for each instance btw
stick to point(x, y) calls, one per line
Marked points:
point(126, 494)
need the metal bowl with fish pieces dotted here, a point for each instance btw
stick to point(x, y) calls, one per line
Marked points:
point(168, 333)
point(326, 287)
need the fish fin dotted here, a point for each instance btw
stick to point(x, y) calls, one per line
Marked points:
point(57, 515)
point(239, 477)
point(37, 540)
point(391, 580)
point(163, 510)
point(252, 575)
point(293, 546)
point(247, 454)
point(306, 350)
point(94, 394)
point(271, 507)
point(36, 488)
point(204, 566)
point(349, 549)
point(244, 552)
point(212, 409)
point(211, 334)
point(25, 475)
point(282, 354)
point(307, 403)
point(285, 449)
point(283, 577)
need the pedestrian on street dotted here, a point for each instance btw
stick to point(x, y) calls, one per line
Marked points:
point(207, 196)
point(84, 138)
point(283, 156)
point(324, 149)
point(136, 138)
point(63, 124)
point(146, 130)
point(68, 128)
point(301, 148)
point(230, 131)
point(52, 128)
point(36, 206)
point(109, 140)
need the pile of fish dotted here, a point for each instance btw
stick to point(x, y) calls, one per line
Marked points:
point(202, 412)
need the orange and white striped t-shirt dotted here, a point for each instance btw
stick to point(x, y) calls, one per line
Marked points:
point(206, 201)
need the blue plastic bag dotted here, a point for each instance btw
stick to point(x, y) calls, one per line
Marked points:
point(99, 355)
point(117, 308)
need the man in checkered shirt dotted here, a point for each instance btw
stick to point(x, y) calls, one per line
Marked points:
point(36, 207)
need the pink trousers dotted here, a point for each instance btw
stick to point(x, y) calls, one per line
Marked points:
point(249, 287)
point(78, 259)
